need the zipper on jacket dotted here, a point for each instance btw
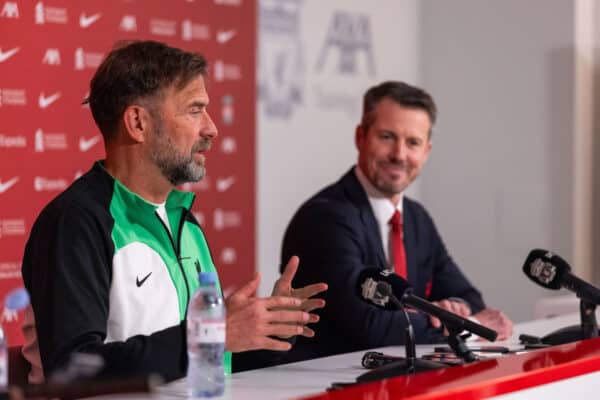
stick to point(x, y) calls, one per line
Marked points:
point(176, 250)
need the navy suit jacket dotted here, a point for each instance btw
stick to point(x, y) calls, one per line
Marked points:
point(336, 235)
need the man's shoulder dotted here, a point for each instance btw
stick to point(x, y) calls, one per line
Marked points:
point(334, 199)
point(414, 208)
point(87, 195)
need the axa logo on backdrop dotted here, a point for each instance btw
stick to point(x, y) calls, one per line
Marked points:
point(228, 145)
point(51, 57)
point(349, 35)
point(128, 23)
point(10, 9)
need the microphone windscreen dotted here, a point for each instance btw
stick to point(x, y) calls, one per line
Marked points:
point(369, 277)
point(545, 268)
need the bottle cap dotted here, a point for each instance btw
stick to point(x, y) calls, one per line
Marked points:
point(207, 278)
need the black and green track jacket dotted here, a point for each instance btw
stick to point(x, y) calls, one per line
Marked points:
point(106, 277)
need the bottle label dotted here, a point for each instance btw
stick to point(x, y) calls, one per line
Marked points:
point(207, 331)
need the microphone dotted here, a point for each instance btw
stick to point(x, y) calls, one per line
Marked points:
point(382, 287)
point(552, 272)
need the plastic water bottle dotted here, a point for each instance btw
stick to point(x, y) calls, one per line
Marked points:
point(206, 339)
point(3, 361)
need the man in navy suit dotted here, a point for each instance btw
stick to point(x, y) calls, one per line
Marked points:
point(346, 228)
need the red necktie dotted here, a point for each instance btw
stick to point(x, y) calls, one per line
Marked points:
point(397, 244)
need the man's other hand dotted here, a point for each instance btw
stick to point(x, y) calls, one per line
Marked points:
point(496, 320)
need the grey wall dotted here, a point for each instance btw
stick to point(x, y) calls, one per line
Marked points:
point(499, 179)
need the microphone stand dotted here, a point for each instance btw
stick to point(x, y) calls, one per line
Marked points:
point(587, 329)
point(410, 364)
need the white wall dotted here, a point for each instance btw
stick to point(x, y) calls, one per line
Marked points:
point(307, 114)
point(500, 177)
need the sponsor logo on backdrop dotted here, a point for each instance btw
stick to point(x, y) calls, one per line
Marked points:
point(86, 144)
point(128, 23)
point(163, 27)
point(12, 227)
point(87, 59)
point(46, 101)
point(10, 9)
point(227, 111)
point(10, 269)
point(348, 37)
point(5, 55)
point(235, 3)
point(5, 185)
point(194, 31)
point(199, 217)
point(51, 57)
point(49, 141)
point(346, 54)
point(228, 145)
point(13, 97)
point(226, 219)
point(281, 64)
point(18, 141)
point(224, 184)
point(42, 184)
point(50, 15)
point(85, 20)
point(224, 36)
point(200, 186)
point(228, 255)
point(227, 72)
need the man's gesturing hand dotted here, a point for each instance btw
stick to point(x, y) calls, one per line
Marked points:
point(252, 321)
point(283, 287)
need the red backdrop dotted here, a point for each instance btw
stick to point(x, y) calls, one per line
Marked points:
point(49, 51)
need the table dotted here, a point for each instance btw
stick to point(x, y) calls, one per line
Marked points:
point(312, 377)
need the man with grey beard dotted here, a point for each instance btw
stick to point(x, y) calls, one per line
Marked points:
point(111, 262)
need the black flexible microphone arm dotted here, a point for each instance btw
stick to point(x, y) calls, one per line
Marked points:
point(454, 325)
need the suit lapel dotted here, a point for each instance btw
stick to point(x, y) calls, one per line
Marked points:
point(358, 197)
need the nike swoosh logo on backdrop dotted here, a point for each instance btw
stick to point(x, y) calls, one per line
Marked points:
point(4, 186)
point(225, 36)
point(44, 101)
point(5, 55)
point(85, 21)
point(139, 283)
point(86, 144)
point(225, 183)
